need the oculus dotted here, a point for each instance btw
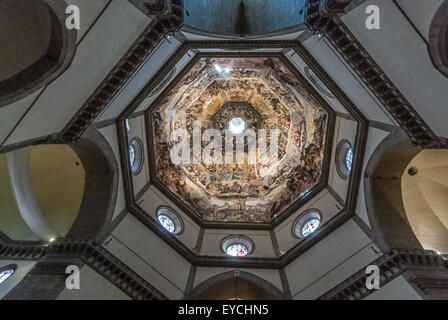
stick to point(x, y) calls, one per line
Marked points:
point(306, 224)
point(169, 220)
point(237, 246)
point(237, 126)
point(136, 155)
point(258, 93)
point(344, 158)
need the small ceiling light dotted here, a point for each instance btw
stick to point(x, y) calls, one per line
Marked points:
point(237, 126)
point(52, 239)
point(218, 68)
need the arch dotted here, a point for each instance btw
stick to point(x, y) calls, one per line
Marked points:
point(383, 193)
point(100, 188)
point(236, 285)
point(438, 39)
point(425, 197)
point(72, 192)
point(19, 165)
point(35, 45)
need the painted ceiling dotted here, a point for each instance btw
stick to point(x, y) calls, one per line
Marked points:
point(265, 95)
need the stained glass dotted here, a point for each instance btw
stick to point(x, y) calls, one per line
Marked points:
point(166, 222)
point(349, 158)
point(236, 250)
point(5, 274)
point(131, 155)
point(310, 226)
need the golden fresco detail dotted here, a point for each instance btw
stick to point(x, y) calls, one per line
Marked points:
point(265, 95)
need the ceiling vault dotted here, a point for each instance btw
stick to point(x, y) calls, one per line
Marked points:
point(270, 263)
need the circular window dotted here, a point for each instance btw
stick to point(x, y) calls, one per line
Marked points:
point(344, 159)
point(6, 272)
point(306, 224)
point(318, 82)
point(136, 155)
point(237, 126)
point(169, 220)
point(237, 246)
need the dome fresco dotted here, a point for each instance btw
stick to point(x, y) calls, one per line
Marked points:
point(259, 93)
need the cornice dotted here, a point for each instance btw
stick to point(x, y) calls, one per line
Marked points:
point(322, 15)
point(425, 270)
point(300, 247)
point(159, 27)
point(92, 254)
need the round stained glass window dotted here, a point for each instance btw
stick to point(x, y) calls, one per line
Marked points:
point(237, 246)
point(344, 158)
point(170, 220)
point(237, 250)
point(6, 272)
point(237, 126)
point(166, 222)
point(310, 226)
point(306, 223)
point(131, 155)
point(349, 158)
point(135, 152)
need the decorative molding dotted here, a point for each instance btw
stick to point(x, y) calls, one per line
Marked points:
point(285, 283)
point(92, 254)
point(382, 126)
point(121, 73)
point(321, 15)
point(425, 270)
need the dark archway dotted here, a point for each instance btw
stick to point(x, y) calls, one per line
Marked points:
point(235, 285)
point(438, 39)
point(100, 189)
point(382, 187)
point(36, 46)
point(59, 190)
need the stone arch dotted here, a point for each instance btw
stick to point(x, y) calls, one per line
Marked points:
point(62, 198)
point(383, 194)
point(236, 285)
point(35, 46)
point(100, 189)
point(438, 39)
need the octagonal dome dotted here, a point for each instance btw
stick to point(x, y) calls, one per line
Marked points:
point(272, 105)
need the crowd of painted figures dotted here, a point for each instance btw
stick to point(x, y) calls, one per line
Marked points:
point(264, 93)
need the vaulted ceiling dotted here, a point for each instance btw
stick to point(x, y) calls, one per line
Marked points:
point(154, 73)
point(266, 96)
